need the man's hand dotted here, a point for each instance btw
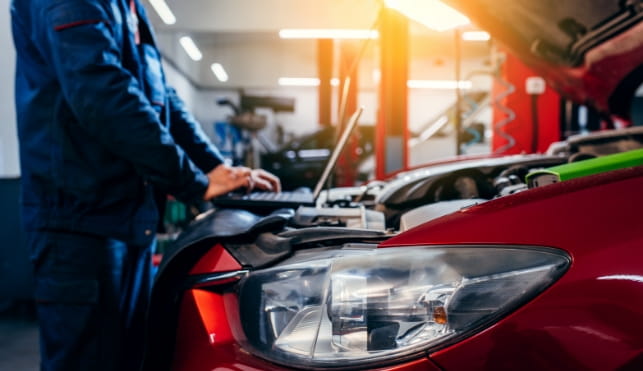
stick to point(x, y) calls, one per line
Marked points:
point(224, 179)
point(265, 181)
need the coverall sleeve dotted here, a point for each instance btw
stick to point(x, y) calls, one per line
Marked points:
point(79, 38)
point(187, 132)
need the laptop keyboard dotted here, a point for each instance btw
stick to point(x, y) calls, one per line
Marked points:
point(279, 196)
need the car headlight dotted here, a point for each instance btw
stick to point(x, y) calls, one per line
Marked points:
point(357, 305)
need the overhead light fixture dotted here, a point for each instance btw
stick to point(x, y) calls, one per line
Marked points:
point(431, 13)
point(164, 11)
point(298, 81)
point(328, 34)
point(219, 72)
point(190, 47)
point(476, 36)
point(439, 84)
point(304, 81)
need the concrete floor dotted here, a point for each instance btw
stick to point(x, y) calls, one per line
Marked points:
point(19, 339)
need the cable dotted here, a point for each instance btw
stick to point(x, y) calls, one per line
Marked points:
point(534, 123)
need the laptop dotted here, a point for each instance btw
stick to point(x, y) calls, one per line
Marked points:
point(278, 200)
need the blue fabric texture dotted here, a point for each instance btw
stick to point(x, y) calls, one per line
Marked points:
point(98, 125)
point(92, 294)
point(100, 134)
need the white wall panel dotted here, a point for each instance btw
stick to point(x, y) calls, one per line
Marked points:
point(9, 159)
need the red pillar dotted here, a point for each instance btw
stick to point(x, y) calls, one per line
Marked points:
point(325, 73)
point(391, 134)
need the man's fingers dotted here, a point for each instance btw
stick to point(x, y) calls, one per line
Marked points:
point(262, 184)
point(224, 179)
point(249, 183)
point(243, 171)
point(266, 180)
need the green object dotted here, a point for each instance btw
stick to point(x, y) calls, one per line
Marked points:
point(538, 178)
point(175, 212)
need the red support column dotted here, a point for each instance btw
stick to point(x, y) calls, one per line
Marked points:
point(391, 134)
point(325, 73)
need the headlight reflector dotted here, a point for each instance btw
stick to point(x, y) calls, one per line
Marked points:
point(357, 305)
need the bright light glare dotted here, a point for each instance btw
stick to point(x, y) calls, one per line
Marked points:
point(475, 36)
point(412, 84)
point(431, 13)
point(298, 81)
point(377, 76)
point(328, 34)
point(439, 84)
point(304, 81)
point(190, 47)
point(626, 277)
point(164, 11)
point(219, 72)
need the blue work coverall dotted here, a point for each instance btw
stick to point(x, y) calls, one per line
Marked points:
point(98, 129)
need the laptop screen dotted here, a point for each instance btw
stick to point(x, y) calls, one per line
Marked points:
point(339, 146)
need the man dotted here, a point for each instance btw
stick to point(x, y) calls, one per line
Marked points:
point(99, 132)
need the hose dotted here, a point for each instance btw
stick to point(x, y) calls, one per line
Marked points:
point(510, 115)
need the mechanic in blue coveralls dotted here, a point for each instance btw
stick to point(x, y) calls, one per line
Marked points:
point(99, 131)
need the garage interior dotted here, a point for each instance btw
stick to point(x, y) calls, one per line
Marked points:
point(270, 96)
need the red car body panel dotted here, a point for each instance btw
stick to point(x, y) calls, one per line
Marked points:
point(591, 317)
point(205, 339)
point(217, 259)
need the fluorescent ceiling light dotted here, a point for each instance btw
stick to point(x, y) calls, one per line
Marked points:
point(298, 81)
point(219, 72)
point(304, 81)
point(190, 47)
point(328, 34)
point(164, 12)
point(438, 84)
point(475, 36)
point(431, 13)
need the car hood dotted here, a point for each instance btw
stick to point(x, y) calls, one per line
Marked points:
point(591, 51)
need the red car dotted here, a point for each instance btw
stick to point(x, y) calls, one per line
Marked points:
point(545, 278)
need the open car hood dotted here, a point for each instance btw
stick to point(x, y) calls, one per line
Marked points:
point(591, 51)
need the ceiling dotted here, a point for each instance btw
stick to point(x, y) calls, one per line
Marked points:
point(242, 35)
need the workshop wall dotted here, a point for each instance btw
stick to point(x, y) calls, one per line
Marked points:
point(9, 163)
point(423, 104)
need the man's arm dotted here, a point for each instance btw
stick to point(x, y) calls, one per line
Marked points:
point(107, 101)
point(187, 132)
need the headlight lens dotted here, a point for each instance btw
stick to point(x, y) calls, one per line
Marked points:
point(354, 306)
